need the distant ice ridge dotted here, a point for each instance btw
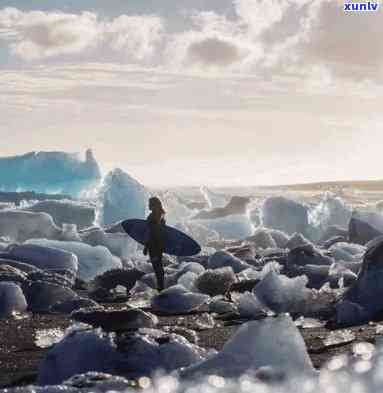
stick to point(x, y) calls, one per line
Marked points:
point(121, 197)
point(50, 172)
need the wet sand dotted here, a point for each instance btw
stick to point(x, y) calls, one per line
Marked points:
point(20, 357)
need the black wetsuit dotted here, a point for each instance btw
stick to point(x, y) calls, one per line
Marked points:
point(155, 247)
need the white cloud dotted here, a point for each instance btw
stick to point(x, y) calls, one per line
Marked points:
point(38, 35)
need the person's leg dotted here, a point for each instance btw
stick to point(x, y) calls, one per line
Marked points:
point(159, 271)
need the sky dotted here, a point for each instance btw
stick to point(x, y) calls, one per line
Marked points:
point(180, 92)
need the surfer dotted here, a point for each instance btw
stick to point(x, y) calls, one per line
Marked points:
point(155, 243)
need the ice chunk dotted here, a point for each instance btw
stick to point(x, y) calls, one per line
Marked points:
point(250, 307)
point(121, 197)
point(45, 338)
point(225, 259)
point(198, 232)
point(48, 258)
point(78, 353)
point(347, 252)
point(331, 210)
point(12, 299)
point(365, 226)
point(235, 226)
point(20, 225)
point(187, 280)
point(118, 244)
point(285, 215)
point(220, 306)
point(283, 294)
point(49, 172)
point(42, 296)
point(176, 211)
point(339, 337)
point(273, 342)
point(67, 212)
point(92, 261)
point(213, 199)
point(177, 300)
point(262, 239)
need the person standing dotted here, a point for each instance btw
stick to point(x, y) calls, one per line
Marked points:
point(155, 244)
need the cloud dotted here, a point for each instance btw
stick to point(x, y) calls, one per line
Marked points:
point(266, 38)
point(37, 35)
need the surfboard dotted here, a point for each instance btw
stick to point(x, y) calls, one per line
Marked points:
point(176, 242)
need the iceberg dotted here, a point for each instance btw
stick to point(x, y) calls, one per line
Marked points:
point(49, 172)
point(121, 197)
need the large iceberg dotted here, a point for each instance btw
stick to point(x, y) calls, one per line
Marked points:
point(49, 172)
point(121, 197)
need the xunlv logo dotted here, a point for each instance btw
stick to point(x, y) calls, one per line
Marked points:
point(361, 7)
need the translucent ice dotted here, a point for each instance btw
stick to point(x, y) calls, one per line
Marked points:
point(235, 226)
point(45, 338)
point(118, 244)
point(19, 225)
point(177, 300)
point(283, 294)
point(273, 342)
point(11, 299)
point(49, 172)
point(46, 256)
point(67, 212)
point(78, 353)
point(339, 337)
point(250, 307)
point(225, 259)
point(121, 197)
point(92, 261)
point(285, 214)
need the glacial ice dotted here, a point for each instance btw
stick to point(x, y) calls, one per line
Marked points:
point(21, 225)
point(67, 212)
point(49, 172)
point(235, 226)
point(121, 197)
point(46, 257)
point(92, 261)
point(118, 244)
point(331, 210)
point(339, 337)
point(224, 259)
point(12, 299)
point(78, 353)
point(273, 342)
point(45, 338)
point(177, 300)
point(285, 215)
point(250, 307)
point(282, 294)
point(213, 199)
